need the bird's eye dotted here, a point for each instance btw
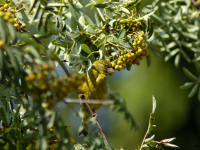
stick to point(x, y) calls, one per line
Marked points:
point(106, 65)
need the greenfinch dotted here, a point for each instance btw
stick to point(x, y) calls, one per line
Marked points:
point(95, 87)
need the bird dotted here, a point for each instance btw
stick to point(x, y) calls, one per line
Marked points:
point(95, 87)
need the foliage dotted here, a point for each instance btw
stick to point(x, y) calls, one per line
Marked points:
point(150, 143)
point(30, 88)
point(177, 35)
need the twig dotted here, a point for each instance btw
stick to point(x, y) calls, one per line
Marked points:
point(91, 101)
point(54, 55)
point(197, 5)
point(69, 75)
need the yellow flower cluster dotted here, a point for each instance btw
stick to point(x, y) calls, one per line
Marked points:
point(8, 16)
point(59, 88)
point(128, 57)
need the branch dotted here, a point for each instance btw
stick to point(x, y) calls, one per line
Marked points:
point(197, 5)
point(91, 101)
point(69, 75)
point(53, 55)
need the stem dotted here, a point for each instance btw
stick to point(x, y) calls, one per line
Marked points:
point(69, 75)
point(91, 101)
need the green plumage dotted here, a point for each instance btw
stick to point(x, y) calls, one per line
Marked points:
point(94, 88)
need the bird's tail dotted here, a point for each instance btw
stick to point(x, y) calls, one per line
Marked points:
point(85, 124)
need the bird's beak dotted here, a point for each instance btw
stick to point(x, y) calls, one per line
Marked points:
point(110, 71)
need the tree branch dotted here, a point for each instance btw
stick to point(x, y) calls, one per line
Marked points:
point(69, 75)
point(91, 101)
point(197, 5)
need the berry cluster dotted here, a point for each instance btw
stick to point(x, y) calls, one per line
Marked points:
point(59, 89)
point(131, 24)
point(8, 13)
point(127, 57)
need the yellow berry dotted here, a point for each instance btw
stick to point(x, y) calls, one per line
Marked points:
point(12, 11)
point(134, 44)
point(141, 39)
point(143, 45)
point(117, 67)
point(1, 13)
point(140, 50)
point(30, 78)
point(134, 48)
point(31, 12)
point(123, 66)
point(2, 44)
point(119, 62)
point(6, 6)
point(5, 10)
point(113, 64)
point(1, 8)
point(136, 39)
point(6, 18)
point(124, 59)
point(16, 25)
point(139, 42)
point(142, 34)
point(141, 57)
point(133, 56)
point(143, 53)
point(122, 53)
point(16, 19)
point(23, 25)
point(11, 21)
point(138, 63)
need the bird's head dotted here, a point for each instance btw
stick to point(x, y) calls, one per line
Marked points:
point(103, 66)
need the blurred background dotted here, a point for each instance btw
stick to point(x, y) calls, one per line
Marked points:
point(176, 115)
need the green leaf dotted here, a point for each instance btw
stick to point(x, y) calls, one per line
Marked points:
point(148, 58)
point(164, 43)
point(157, 19)
point(12, 58)
point(149, 28)
point(197, 66)
point(190, 75)
point(154, 104)
point(1, 59)
point(88, 20)
point(194, 90)
point(97, 18)
point(125, 44)
point(177, 60)
point(185, 55)
point(187, 85)
point(12, 33)
point(40, 19)
point(122, 33)
point(59, 42)
point(149, 139)
point(168, 140)
point(82, 21)
point(16, 120)
point(171, 145)
point(86, 48)
point(190, 35)
point(126, 11)
point(34, 52)
point(101, 5)
point(2, 30)
point(199, 94)
point(4, 117)
point(171, 54)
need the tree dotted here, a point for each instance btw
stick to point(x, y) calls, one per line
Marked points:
point(30, 86)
